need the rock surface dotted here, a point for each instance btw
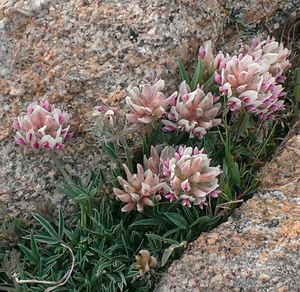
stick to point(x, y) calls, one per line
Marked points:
point(258, 248)
point(76, 53)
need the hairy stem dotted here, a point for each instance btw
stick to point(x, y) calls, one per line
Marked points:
point(60, 167)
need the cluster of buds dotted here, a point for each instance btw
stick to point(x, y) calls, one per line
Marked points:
point(195, 112)
point(211, 63)
point(148, 103)
point(144, 263)
point(43, 127)
point(159, 159)
point(110, 123)
point(192, 179)
point(139, 190)
point(251, 80)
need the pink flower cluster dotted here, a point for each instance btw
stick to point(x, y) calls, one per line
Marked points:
point(195, 112)
point(192, 178)
point(148, 103)
point(43, 127)
point(252, 79)
point(184, 174)
point(139, 189)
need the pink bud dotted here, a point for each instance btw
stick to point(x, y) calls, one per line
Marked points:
point(20, 141)
point(186, 202)
point(218, 78)
point(46, 106)
point(201, 53)
point(16, 125)
point(169, 128)
point(101, 108)
point(186, 186)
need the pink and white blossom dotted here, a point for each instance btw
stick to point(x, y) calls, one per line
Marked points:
point(248, 85)
point(272, 53)
point(192, 178)
point(139, 190)
point(195, 112)
point(148, 103)
point(43, 127)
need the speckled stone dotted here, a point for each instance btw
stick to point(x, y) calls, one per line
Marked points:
point(258, 248)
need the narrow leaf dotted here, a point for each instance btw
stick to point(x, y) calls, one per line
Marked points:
point(110, 149)
point(146, 222)
point(46, 239)
point(182, 72)
point(208, 83)
point(61, 224)
point(51, 231)
point(34, 247)
point(197, 75)
point(177, 219)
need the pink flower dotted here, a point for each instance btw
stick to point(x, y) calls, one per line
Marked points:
point(192, 178)
point(171, 197)
point(43, 127)
point(248, 85)
point(271, 53)
point(148, 103)
point(139, 189)
point(195, 112)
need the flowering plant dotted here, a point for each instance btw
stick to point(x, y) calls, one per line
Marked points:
point(193, 159)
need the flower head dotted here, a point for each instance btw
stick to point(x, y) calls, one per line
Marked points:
point(43, 127)
point(247, 84)
point(195, 112)
point(144, 262)
point(271, 53)
point(192, 178)
point(139, 189)
point(148, 103)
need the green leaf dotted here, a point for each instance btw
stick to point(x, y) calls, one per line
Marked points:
point(28, 254)
point(177, 219)
point(166, 255)
point(47, 226)
point(203, 220)
point(61, 224)
point(208, 83)
point(146, 222)
point(197, 75)
point(297, 86)
point(172, 231)
point(46, 239)
point(168, 251)
point(161, 238)
point(110, 149)
point(182, 72)
point(34, 247)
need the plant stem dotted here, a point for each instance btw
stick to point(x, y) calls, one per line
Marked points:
point(127, 153)
point(60, 167)
point(297, 92)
